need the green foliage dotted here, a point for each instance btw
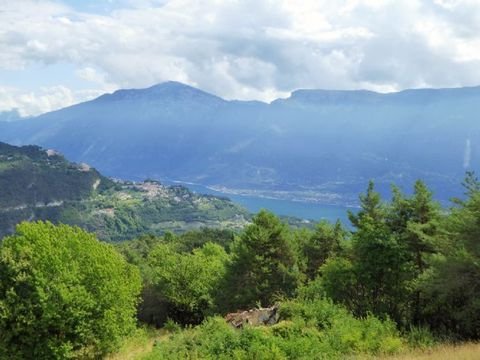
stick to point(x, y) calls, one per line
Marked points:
point(372, 277)
point(338, 281)
point(264, 265)
point(451, 286)
point(371, 208)
point(193, 239)
point(308, 330)
point(29, 176)
point(406, 264)
point(414, 222)
point(188, 282)
point(379, 272)
point(63, 294)
point(325, 242)
point(341, 331)
point(420, 337)
point(379, 261)
point(155, 308)
point(136, 209)
point(171, 326)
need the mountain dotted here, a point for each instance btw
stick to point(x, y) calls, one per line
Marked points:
point(38, 184)
point(318, 145)
point(11, 115)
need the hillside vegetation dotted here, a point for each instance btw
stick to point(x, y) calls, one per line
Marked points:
point(405, 281)
point(39, 184)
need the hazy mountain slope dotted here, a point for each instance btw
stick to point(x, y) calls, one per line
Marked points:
point(12, 115)
point(316, 140)
point(39, 184)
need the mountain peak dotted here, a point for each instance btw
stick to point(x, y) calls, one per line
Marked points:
point(170, 90)
point(173, 85)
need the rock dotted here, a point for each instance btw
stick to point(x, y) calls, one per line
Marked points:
point(253, 317)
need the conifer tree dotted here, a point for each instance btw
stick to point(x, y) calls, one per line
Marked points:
point(264, 265)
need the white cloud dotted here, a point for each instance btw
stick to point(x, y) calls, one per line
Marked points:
point(246, 49)
point(44, 100)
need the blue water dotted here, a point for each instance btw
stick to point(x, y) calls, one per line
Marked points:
point(303, 210)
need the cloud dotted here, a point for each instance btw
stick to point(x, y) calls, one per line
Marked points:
point(44, 100)
point(246, 49)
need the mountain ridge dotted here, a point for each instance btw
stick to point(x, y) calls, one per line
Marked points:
point(167, 86)
point(322, 141)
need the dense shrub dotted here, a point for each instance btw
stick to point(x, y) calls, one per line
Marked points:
point(63, 294)
point(308, 330)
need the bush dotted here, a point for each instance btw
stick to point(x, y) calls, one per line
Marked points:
point(420, 337)
point(63, 294)
point(307, 330)
point(341, 332)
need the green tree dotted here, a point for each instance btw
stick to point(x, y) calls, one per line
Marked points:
point(417, 233)
point(63, 294)
point(371, 207)
point(380, 266)
point(451, 286)
point(264, 264)
point(325, 242)
point(187, 282)
point(373, 272)
point(415, 221)
point(338, 281)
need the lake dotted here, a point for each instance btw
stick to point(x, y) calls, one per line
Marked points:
point(303, 210)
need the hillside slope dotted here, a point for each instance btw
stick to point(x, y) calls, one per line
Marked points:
point(42, 184)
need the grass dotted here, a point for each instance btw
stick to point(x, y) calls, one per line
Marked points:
point(141, 344)
point(467, 351)
point(138, 345)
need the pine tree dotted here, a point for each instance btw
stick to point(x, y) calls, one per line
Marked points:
point(414, 222)
point(451, 286)
point(264, 265)
point(323, 243)
point(371, 207)
point(377, 262)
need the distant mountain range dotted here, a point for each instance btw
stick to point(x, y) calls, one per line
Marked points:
point(323, 144)
point(38, 184)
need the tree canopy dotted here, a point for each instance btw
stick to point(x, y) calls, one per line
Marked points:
point(63, 294)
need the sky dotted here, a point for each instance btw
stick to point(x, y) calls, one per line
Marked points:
point(56, 53)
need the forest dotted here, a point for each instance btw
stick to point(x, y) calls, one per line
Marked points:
point(405, 276)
